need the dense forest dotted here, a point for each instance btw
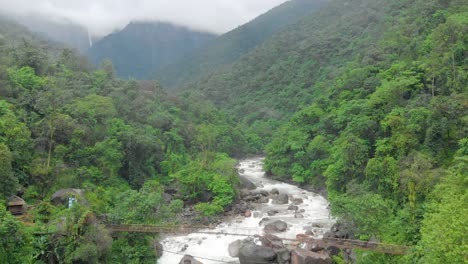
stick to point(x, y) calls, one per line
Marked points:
point(124, 142)
point(365, 99)
point(385, 131)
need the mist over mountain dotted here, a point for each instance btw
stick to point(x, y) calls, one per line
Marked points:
point(60, 30)
point(232, 45)
point(142, 47)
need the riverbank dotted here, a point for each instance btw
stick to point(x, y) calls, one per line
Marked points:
point(270, 202)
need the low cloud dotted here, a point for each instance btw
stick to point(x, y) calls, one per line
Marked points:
point(104, 16)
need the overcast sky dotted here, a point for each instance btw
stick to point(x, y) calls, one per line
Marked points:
point(104, 16)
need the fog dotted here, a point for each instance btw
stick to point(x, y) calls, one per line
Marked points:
point(101, 17)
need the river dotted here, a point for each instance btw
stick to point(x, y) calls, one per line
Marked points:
point(213, 248)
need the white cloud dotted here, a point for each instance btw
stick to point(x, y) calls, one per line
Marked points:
point(104, 16)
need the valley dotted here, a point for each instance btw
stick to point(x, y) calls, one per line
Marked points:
point(334, 130)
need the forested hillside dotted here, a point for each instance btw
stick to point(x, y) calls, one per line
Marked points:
point(144, 47)
point(383, 124)
point(123, 143)
point(381, 89)
point(229, 47)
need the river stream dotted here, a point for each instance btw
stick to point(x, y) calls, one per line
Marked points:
point(213, 248)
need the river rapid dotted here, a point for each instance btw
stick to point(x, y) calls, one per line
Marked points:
point(213, 248)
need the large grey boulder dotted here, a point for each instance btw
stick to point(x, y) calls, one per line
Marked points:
point(297, 201)
point(187, 259)
point(274, 191)
point(272, 212)
point(282, 198)
point(272, 241)
point(246, 183)
point(234, 248)
point(302, 256)
point(158, 247)
point(254, 254)
point(283, 256)
point(60, 197)
point(298, 215)
point(276, 226)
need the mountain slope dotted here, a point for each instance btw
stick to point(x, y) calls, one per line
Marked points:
point(142, 47)
point(62, 31)
point(382, 93)
point(232, 45)
point(279, 74)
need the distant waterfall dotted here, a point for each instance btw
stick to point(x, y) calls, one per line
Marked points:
point(90, 39)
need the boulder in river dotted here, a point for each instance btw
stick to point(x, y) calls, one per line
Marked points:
point(248, 214)
point(264, 220)
point(252, 197)
point(187, 259)
point(298, 215)
point(158, 247)
point(272, 212)
point(297, 201)
point(282, 198)
point(271, 241)
point(274, 191)
point(293, 207)
point(302, 256)
point(254, 254)
point(246, 183)
point(311, 245)
point(276, 226)
point(234, 248)
point(283, 256)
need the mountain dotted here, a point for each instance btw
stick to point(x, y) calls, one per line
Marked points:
point(232, 45)
point(142, 47)
point(59, 30)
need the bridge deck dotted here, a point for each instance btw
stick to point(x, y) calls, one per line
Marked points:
point(327, 242)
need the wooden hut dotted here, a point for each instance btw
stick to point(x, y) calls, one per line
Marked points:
point(16, 205)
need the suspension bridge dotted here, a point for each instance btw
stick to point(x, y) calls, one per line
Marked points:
point(300, 238)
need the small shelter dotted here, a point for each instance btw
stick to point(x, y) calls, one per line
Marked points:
point(16, 205)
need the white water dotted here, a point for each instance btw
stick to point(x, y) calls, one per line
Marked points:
point(215, 246)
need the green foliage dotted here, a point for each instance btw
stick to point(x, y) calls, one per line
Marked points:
point(443, 228)
point(26, 78)
point(132, 248)
point(15, 241)
point(212, 178)
point(366, 211)
point(382, 122)
point(145, 206)
point(65, 125)
point(8, 182)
